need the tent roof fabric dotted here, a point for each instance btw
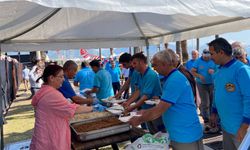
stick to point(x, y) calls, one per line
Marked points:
point(62, 24)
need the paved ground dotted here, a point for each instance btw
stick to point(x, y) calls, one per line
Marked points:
point(213, 141)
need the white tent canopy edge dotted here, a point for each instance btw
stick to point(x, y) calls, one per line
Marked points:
point(230, 8)
point(130, 24)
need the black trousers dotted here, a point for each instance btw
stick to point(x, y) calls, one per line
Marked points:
point(116, 86)
point(126, 93)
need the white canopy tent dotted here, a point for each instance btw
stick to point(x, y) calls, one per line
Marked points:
point(63, 24)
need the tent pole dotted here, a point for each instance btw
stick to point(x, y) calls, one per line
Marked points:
point(165, 46)
point(1, 121)
point(100, 53)
point(197, 44)
point(147, 48)
point(111, 52)
point(1, 111)
point(19, 56)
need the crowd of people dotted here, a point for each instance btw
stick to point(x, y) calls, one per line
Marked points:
point(218, 79)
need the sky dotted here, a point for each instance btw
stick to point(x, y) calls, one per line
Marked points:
point(243, 36)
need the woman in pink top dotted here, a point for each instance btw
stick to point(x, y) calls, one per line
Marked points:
point(52, 113)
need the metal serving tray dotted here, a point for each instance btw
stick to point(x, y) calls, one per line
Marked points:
point(99, 133)
point(90, 116)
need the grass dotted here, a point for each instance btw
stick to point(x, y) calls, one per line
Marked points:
point(19, 119)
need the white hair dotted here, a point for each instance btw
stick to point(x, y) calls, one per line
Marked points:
point(237, 45)
point(238, 49)
point(168, 56)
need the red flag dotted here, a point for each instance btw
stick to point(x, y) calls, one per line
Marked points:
point(83, 51)
point(85, 55)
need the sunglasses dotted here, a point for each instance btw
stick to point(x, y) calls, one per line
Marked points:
point(238, 57)
point(206, 52)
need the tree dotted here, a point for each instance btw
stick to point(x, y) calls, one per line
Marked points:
point(184, 50)
point(178, 50)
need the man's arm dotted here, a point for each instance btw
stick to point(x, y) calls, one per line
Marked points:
point(124, 88)
point(150, 114)
point(131, 99)
point(94, 90)
point(197, 75)
point(214, 114)
point(242, 131)
point(80, 100)
point(147, 90)
point(243, 78)
point(194, 72)
point(139, 103)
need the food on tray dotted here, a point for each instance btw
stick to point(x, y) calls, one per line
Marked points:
point(99, 124)
point(117, 107)
point(91, 115)
point(113, 100)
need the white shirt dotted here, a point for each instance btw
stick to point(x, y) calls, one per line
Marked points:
point(125, 72)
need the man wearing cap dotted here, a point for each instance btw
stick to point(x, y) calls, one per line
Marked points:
point(203, 70)
point(232, 96)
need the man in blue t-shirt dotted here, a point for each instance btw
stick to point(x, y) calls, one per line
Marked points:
point(115, 73)
point(125, 60)
point(148, 83)
point(69, 69)
point(176, 107)
point(108, 64)
point(203, 69)
point(231, 95)
point(85, 77)
point(190, 63)
point(148, 87)
point(102, 82)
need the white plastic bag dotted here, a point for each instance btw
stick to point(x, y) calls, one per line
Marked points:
point(159, 141)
